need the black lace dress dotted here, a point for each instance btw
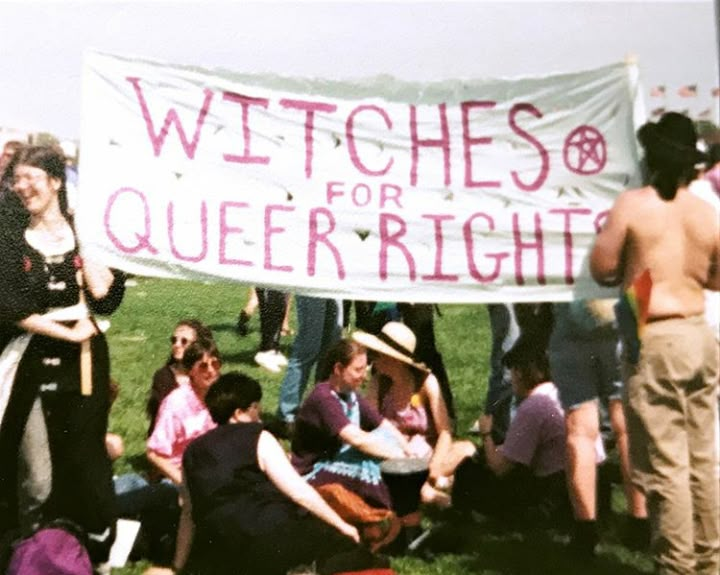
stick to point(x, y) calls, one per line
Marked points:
point(53, 461)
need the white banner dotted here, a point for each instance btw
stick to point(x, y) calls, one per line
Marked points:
point(454, 191)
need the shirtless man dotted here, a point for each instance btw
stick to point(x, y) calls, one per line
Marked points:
point(671, 390)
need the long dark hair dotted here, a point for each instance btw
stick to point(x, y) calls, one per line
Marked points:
point(202, 332)
point(670, 153)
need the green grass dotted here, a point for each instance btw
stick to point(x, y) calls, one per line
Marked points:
point(139, 345)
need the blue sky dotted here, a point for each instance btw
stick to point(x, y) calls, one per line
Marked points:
point(42, 43)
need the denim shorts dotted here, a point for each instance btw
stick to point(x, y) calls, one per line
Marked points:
point(585, 370)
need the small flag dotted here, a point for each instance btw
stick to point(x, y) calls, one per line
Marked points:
point(657, 92)
point(689, 91)
point(632, 312)
point(638, 295)
point(658, 112)
point(706, 113)
point(716, 92)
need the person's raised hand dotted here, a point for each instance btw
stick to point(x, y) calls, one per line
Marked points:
point(83, 330)
point(350, 532)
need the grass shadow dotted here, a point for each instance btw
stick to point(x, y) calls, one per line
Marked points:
point(487, 547)
point(223, 328)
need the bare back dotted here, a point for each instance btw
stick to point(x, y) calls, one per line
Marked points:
point(677, 240)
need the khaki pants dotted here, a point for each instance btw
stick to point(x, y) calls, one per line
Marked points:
point(672, 409)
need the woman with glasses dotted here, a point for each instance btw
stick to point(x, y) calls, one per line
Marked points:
point(173, 374)
point(54, 366)
point(182, 415)
point(181, 418)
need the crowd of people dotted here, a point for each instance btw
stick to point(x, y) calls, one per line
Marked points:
point(374, 442)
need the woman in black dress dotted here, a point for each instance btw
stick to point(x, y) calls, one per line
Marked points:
point(54, 366)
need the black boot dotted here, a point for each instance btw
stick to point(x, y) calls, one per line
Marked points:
point(242, 324)
point(584, 539)
point(637, 534)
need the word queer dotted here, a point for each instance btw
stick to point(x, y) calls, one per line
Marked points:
point(308, 109)
point(274, 247)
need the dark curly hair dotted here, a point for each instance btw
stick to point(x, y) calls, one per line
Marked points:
point(49, 159)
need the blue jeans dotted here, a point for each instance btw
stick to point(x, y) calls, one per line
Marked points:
point(505, 331)
point(319, 326)
point(134, 494)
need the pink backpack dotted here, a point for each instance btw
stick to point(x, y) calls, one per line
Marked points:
point(50, 551)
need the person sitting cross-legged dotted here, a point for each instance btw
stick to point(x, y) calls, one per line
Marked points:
point(522, 481)
point(249, 504)
point(406, 393)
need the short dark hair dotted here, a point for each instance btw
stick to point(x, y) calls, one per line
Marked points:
point(231, 391)
point(195, 351)
point(529, 356)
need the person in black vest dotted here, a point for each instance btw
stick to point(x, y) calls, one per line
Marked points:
point(251, 508)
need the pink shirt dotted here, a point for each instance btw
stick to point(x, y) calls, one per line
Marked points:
point(181, 418)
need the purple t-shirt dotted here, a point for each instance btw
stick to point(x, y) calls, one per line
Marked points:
point(319, 421)
point(536, 437)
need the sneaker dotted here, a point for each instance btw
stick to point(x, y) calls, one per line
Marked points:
point(268, 360)
point(280, 359)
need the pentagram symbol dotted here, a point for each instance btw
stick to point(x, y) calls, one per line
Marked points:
point(585, 151)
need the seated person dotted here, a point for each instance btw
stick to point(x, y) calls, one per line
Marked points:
point(339, 437)
point(249, 504)
point(173, 373)
point(524, 477)
point(409, 395)
point(181, 418)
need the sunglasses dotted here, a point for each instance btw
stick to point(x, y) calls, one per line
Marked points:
point(182, 340)
point(214, 364)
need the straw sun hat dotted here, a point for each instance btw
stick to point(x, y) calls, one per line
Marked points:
point(395, 340)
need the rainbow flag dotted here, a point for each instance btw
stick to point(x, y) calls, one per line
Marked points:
point(638, 295)
point(632, 312)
